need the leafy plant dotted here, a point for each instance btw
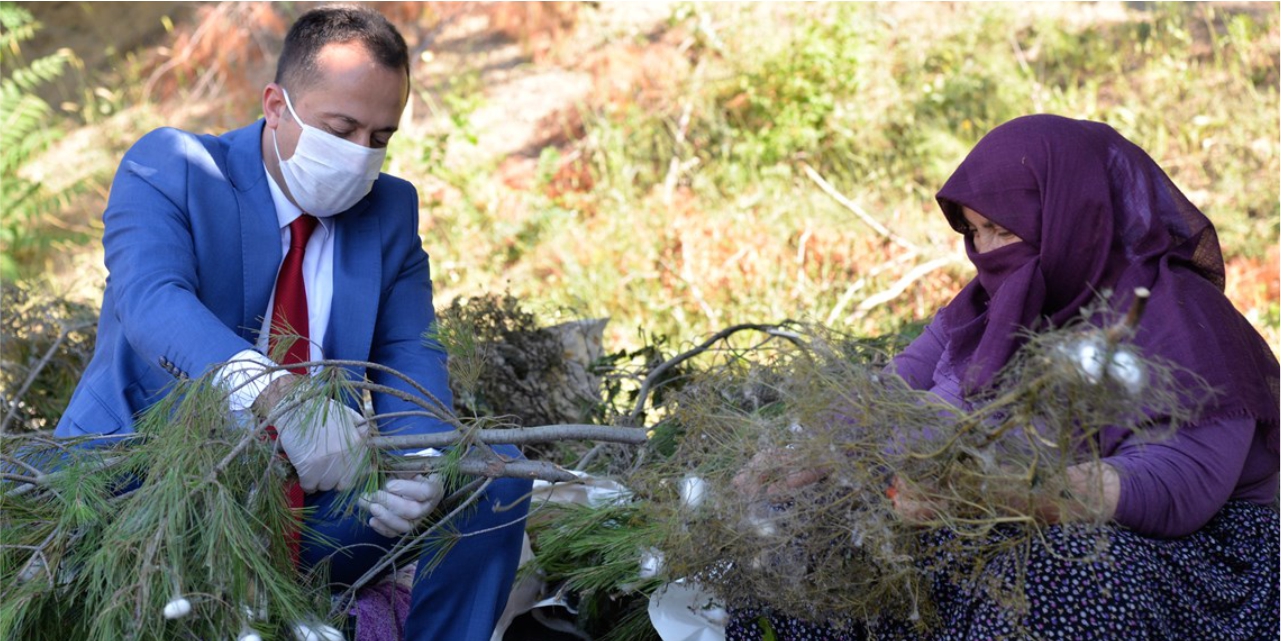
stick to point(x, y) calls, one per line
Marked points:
point(28, 128)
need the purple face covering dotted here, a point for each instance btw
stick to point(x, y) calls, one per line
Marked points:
point(1095, 213)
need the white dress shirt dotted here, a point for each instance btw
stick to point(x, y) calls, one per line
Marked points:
point(244, 376)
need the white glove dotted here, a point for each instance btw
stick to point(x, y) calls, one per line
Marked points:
point(316, 632)
point(325, 441)
point(402, 503)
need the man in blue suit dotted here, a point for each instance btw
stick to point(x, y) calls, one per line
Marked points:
point(199, 233)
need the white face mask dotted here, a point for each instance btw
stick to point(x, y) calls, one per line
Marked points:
point(327, 175)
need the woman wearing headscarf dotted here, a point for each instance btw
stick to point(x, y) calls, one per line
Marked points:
point(1056, 213)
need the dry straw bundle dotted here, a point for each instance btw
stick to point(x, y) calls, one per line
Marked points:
point(777, 492)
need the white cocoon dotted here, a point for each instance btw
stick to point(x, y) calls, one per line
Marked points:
point(1090, 359)
point(693, 490)
point(177, 608)
point(1126, 370)
point(651, 562)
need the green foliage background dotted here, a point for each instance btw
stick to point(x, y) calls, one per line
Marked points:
point(26, 130)
point(672, 196)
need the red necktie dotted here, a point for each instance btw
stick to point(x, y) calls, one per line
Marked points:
point(289, 313)
point(289, 321)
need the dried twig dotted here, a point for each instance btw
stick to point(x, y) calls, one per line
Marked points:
point(15, 401)
point(1130, 323)
point(858, 211)
point(859, 284)
point(657, 373)
point(516, 436)
point(675, 166)
point(901, 285)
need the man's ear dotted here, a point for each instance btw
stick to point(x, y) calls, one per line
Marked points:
point(273, 104)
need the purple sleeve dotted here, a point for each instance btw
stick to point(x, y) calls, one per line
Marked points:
point(917, 362)
point(1173, 487)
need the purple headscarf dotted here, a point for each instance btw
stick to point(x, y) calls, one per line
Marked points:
point(1096, 213)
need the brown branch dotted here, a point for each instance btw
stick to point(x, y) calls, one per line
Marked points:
point(514, 436)
point(652, 379)
point(1130, 323)
point(858, 211)
point(488, 467)
point(20, 478)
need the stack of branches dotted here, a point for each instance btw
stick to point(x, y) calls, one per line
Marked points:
point(175, 531)
point(504, 362)
point(45, 344)
point(774, 490)
point(162, 534)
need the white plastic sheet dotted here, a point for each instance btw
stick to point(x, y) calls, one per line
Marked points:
point(528, 593)
point(681, 611)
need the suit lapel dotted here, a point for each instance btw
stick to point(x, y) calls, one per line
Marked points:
point(357, 284)
point(357, 254)
point(259, 228)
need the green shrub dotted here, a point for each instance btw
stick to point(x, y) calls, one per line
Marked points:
point(28, 129)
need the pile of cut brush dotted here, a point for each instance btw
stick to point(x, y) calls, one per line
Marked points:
point(176, 531)
point(769, 480)
point(763, 478)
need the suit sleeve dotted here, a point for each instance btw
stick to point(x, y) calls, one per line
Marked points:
point(916, 363)
point(151, 257)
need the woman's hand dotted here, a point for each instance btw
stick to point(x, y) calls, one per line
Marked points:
point(1091, 493)
point(1096, 487)
point(767, 473)
point(910, 505)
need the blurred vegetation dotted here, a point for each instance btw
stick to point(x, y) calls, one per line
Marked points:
point(45, 344)
point(27, 131)
point(683, 206)
point(677, 194)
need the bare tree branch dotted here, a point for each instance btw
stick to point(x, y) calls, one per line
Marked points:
point(656, 374)
point(515, 436)
point(858, 211)
point(901, 285)
point(490, 468)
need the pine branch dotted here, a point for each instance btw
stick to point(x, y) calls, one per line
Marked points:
point(456, 503)
point(516, 436)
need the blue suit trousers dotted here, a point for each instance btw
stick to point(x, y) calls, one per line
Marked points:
point(484, 559)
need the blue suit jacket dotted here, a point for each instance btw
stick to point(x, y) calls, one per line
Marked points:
point(192, 249)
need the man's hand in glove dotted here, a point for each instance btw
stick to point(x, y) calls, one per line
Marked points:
point(325, 441)
point(402, 503)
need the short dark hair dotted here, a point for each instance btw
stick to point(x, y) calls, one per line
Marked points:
point(339, 23)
